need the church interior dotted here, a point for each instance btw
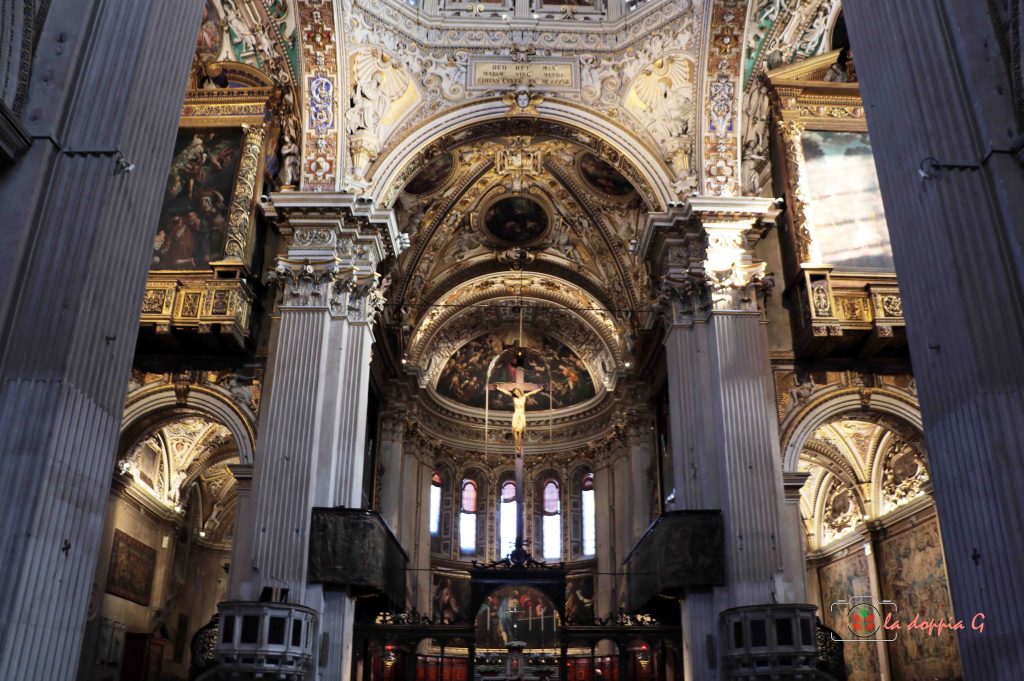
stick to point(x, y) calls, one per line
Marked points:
point(511, 340)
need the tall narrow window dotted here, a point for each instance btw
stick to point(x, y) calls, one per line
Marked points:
point(507, 519)
point(552, 527)
point(435, 504)
point(589, 516)
point(467, 519)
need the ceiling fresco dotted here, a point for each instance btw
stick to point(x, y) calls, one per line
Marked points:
point(547, 363)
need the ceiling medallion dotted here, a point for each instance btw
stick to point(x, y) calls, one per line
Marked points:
point(517, 162)
point(516, 220)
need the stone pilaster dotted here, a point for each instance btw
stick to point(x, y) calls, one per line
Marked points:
point(76, 230)
point(724, 435)
point(947, 150)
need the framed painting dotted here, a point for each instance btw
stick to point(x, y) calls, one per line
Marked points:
point(194, 218)
point(845, 201)
point(132, 567)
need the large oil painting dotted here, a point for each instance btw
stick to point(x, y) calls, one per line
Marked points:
point(451, 597)
point(516, 220)
point(547, 362)
point(846, 203)
point(194, 218)
point(603, 177)
point(842, 580)
point(579, 599)
point(913, 575)
point(132, 565)
point(432, 175)
point(517, 613)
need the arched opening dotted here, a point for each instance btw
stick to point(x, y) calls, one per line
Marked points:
point(168, 535)
point(871, 530)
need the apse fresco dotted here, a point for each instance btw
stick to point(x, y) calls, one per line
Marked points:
point(548, 362)
point(194, 218)
point(516, 220)
point(913, 575)
point(841, 580)
point(603, 177)
point(432, 175)
point(451, 597)
point(517, 613)
point(579, 599)
point(846, 203)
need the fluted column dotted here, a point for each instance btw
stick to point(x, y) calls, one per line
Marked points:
point(962, 288)
point(724, 435)
point(312, 432)
point(76, 230)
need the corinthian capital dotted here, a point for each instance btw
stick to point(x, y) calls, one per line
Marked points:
point(734, 276)
point(305, 283)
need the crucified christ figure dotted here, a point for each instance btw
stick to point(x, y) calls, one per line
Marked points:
point(519, 397)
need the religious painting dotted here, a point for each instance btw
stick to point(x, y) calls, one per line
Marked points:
point(132, 565)
point(579, 599)
point(546, 362)
point(913, 575)
point(432, 175)
point(194, 219)
point(451, 597)
point(516, 220)
point(211, 36)
point(840, 581)
point(846, 203)
point(517, 613)
point(603, 177)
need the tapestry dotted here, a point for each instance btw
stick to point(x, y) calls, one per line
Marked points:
point(913, 575)
point(845, 578)
point(132, 565)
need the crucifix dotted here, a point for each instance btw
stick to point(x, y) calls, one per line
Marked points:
point(519, 391)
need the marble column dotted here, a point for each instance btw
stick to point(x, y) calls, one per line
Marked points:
point(937, 94)
point(724, 434)
point(312, 430)
point(76, 231)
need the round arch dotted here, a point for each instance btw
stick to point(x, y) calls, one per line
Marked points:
point(387, 168)
point(165, 399)
point(798, 426)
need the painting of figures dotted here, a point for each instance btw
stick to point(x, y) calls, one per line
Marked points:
point(603, 177)
point(132, 565)
point(194, 219)
point(579, 599)
point(516, 220)
point(514, 613)
point(846, 204)
point(913, 575)
point(432, 175)
point(546, 361)
point(451, 597)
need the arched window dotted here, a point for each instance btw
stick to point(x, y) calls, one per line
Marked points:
point(436, 487)
point(589, 512)
point(467, 519)
point(507, 518)
point(552, 521)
